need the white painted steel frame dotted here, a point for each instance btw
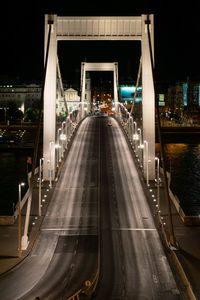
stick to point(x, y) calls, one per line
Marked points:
point(100, 66)
point(98, 28)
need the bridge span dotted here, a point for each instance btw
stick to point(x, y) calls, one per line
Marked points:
point(98, 225)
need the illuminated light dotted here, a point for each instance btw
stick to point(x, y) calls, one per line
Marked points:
point(164, 223)
point(141, 146)
point(35, 218)
point(33, 223)
point(136, 137)
point(150, 190)
point(154, 200)
point(63, 137)
point(43, 200)
point(156, 205)
point(152, 196)
point(47, 190)
point(45, 196)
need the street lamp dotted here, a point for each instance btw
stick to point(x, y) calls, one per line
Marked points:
point(147, 160)
point(158, 181)
point(19, 220)
point(140, 137)
point(141, 146)
point(50, 165)
point(130, 127)
point(58, 143)
point(63, 138)
point(135, 127)
point(40, 186)
point(57, 158)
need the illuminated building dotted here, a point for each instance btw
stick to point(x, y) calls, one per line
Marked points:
point(184, 94)
point(24, 95)
point(126, 94)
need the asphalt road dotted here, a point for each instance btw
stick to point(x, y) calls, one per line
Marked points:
point(133, 264)
point(65, 254)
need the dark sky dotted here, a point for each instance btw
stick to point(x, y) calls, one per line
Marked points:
point(177, 33)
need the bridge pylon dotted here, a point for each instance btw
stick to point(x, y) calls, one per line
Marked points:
point(99, 28)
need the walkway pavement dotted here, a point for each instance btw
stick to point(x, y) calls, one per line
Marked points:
point(9, 234)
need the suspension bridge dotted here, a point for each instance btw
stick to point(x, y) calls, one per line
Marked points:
point(98, 237)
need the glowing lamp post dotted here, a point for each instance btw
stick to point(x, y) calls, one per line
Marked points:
point(50, 165)
point(158, 181)
point(19, 220)
point(135, 127)
point(147, 160)
point(58, 143)
point(57, 155)
point(140, 137)
point(62, 138)
point(40, 186)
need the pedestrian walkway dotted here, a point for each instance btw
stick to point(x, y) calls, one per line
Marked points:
point(9, 234)
point(187, 257)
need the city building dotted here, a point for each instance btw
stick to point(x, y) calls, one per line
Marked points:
point(24, 96)
point(27, 96)
point(184, 94)
point(72, 99)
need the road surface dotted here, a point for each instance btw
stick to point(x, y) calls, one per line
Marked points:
point(133, 263)
point(99, 180)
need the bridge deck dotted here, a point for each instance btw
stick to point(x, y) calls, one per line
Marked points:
point(99, 167)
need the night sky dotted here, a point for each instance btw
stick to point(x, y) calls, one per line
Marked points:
point(177, 33)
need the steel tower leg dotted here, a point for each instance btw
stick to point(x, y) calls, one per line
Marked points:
point(50, 105)
point(148, 100)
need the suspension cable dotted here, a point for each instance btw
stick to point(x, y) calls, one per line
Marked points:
point(136, 87)
point(61, 86)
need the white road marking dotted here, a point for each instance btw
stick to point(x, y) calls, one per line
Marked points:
point(135, 229)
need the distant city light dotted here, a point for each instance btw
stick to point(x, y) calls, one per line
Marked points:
point(185, 88)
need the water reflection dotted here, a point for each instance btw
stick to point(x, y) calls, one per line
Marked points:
point(183, 160)
point(13, 170)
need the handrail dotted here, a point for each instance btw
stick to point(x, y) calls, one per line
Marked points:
point(136, 87)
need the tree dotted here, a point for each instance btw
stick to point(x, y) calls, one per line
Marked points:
point(31, 114)
point(13, 112)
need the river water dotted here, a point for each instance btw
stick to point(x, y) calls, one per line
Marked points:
point(13, 170)
point(183, 160)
